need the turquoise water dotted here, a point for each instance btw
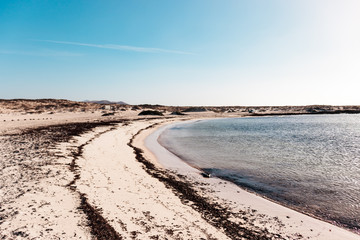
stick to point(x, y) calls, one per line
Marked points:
point(308, 162)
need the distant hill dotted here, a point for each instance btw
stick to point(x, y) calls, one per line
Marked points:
point(106, 102)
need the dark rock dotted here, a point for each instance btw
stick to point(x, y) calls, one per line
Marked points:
point(151, 112)
point(206, 175)
point(108, 114)
point(177, 113)
point(135, 108)
point(195, 109)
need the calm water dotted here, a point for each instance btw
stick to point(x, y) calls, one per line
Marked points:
point(310, 162)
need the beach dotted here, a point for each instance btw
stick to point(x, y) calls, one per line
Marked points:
point(86, 176)
point(180, 120)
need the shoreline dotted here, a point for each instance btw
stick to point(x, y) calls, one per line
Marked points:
point(160, 154)
point(215, 213)
point(203, 172)
point(95, 178)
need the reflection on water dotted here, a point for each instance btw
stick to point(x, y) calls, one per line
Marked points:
point(311, 162)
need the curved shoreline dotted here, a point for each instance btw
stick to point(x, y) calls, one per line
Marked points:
point(307, 211)
point(119, 188)
point(308, 225)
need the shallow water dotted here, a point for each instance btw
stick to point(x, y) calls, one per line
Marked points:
point(310, 162)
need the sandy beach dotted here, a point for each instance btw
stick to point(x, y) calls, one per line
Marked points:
point(86, 176)
point(179, 120)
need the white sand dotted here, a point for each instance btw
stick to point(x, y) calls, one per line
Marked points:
point(135, 204)
point(130, 199)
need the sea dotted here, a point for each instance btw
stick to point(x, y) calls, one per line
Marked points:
point(310, 163)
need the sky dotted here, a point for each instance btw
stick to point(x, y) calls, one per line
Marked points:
point(188, 52)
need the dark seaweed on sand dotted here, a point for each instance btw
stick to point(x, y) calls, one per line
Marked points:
point(214, 213)
point(99, 226)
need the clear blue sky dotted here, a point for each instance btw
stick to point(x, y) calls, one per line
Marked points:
point(188, 52)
